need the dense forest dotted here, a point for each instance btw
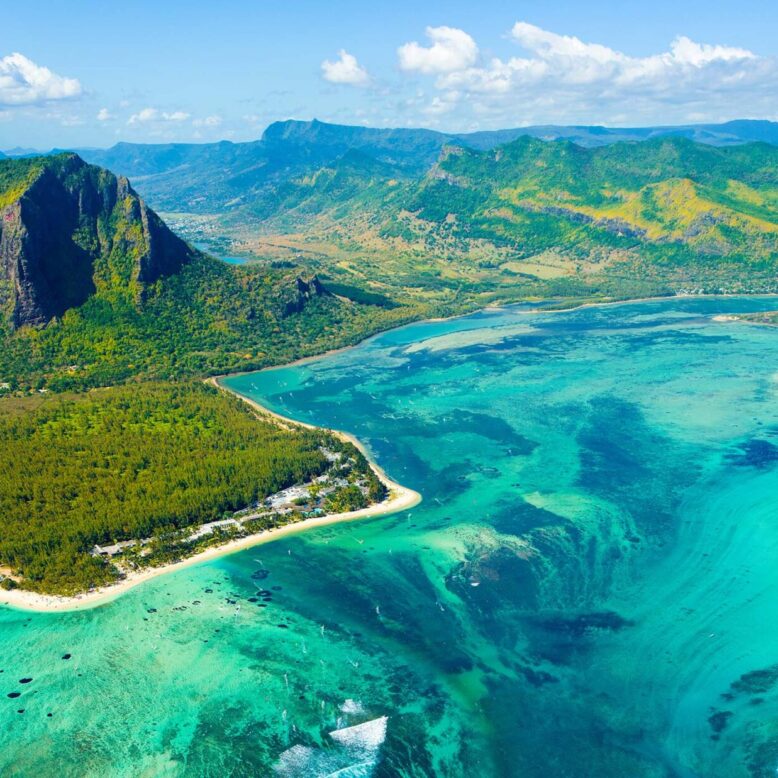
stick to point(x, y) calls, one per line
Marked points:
point(126, 462)
point(208, 319)
point(97, 292)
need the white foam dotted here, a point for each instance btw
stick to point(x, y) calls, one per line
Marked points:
point(368, 736)
point(352, 706)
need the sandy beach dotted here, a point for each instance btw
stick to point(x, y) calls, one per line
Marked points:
point(400, 498)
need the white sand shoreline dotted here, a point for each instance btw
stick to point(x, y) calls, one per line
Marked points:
point(400, 498)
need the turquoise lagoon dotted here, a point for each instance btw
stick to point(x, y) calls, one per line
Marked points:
point(589, 588)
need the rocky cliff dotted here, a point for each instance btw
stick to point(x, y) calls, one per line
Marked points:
point(293, 297)
point(68, 228)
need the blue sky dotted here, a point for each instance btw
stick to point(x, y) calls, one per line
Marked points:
point(82, 73)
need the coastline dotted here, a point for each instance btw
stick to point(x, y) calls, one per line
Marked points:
point(635, 300)
point(400, 498)
point(491, 307)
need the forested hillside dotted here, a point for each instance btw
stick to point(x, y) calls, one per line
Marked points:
point(96, 290)
point(130, 462)
point(532, 218)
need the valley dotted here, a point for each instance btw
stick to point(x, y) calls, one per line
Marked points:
point(497, 223)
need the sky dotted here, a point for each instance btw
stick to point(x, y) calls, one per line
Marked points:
point(84, 73)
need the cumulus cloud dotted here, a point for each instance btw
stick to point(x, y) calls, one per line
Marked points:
point(451, 50)
point(148, 115)
point(176, 116)
point(345, 70)
point(104, 115)
point(562, 78)
point(23, 82)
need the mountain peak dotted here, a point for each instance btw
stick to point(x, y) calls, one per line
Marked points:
point(67, 228)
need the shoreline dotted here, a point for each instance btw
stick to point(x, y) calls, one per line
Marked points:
point(533, 311)
point(486, 308)
point(635, 300)
point(400, 498)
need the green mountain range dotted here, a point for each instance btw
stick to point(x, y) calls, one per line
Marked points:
point(425, 218)
point(215, 177)
point(527, 218)
point(95, 290)
point(352, 230)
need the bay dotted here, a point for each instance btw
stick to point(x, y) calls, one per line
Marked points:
point(588, 587)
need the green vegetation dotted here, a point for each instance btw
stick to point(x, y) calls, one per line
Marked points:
point(111, 296)
point(115, 296)
point(16, 176)
point(347, 498)
point(769, 318)
point(208, 178)
point(531, 219)
point(208, 319)
point(129, 462)
point(359, 295)
point(395, 236)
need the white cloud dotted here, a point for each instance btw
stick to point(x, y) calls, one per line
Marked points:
point(442, 104)
point(147, 115)
point(564, 79)
point(700, 54)
point(104, 115)
point(451, 50)
point(345, 70)
point(176, 116)
point(22, 82)
point(208, 121)
point(144, 115)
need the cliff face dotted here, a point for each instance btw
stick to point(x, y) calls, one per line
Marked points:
point(67, 229)
point(294, 297)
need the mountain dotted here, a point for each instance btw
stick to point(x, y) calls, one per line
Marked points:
point(352, 234)
point(726, 134)
point(221, 177)
point(714, 202)
point(535, 217)
point(96, 290)
point(67, 228)
point(224, 176)
point(19, 151)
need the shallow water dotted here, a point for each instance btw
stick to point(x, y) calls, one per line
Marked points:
point(588, 588)
point(214, 252)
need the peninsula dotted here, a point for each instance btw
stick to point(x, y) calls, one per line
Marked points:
point(351, 487)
